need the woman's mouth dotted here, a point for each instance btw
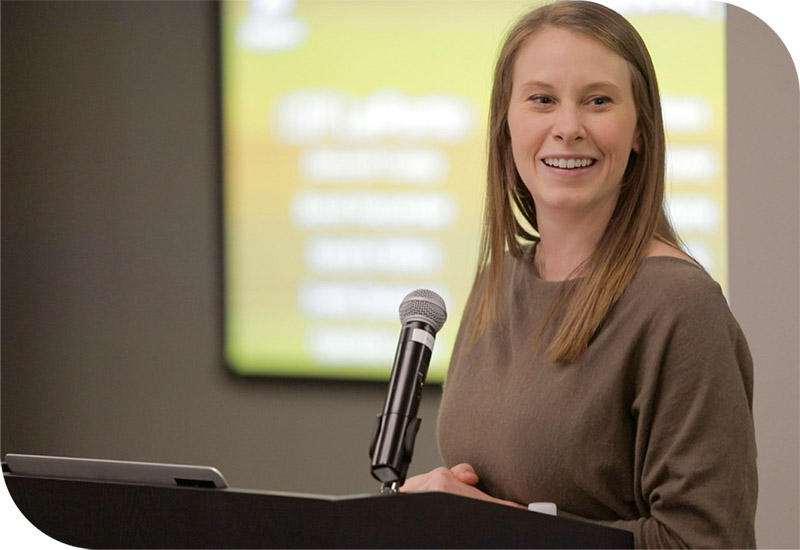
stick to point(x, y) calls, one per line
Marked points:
point(569, 163)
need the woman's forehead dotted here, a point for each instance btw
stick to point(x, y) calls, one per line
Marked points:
point(555, 55)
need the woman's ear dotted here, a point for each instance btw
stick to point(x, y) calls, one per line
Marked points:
point(637, 141)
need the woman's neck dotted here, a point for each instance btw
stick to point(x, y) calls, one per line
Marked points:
point(560, 262)
point(565, 245)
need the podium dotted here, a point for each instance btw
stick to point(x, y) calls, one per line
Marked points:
point(94, 514)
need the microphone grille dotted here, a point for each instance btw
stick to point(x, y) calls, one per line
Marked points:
point(423, 305)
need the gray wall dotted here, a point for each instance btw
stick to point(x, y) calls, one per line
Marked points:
point(111, 261)
point(764, 195)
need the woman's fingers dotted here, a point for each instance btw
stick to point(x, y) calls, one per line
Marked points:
point(442, 479)
point(459, 480)
point(465, 473)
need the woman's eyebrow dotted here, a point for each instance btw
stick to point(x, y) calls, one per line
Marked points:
point(601, 85)
point(592, 86)
point(536, 84)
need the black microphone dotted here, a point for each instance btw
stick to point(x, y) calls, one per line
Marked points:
point(422, 314)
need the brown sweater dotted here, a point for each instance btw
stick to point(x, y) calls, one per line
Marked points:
point(651, 430)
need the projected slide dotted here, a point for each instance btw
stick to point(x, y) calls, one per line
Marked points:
point(354, 166)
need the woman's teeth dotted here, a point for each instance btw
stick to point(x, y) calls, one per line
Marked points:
point(569, 163)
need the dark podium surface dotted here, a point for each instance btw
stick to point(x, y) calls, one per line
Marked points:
point(93, 514)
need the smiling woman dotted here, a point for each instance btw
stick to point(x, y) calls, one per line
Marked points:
point(599, 250)
point(586, 372)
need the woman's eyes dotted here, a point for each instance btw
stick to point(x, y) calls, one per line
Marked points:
point(597, 101)
point(600, 100)
point(541, 99)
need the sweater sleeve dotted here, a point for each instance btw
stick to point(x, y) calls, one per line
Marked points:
point(695, 455)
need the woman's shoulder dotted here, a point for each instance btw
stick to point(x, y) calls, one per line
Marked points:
point(676, 298)
point(664, 264)
point(661, 249)
point(676, 283)
point(668, 283)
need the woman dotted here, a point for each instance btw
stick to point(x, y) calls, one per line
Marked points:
point(597, 365)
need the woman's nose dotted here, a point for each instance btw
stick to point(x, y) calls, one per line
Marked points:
point(568, 125)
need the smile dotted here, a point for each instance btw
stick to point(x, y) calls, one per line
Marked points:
point(568, 163)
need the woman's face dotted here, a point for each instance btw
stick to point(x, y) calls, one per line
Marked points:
point(572, 120)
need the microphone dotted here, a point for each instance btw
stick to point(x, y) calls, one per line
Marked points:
point(422, 314)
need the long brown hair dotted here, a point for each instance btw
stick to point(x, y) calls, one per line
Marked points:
point(639, 215)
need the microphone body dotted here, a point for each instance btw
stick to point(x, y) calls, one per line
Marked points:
point(422, 313)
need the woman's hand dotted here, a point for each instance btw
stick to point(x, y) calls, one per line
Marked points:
point(458, 480)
